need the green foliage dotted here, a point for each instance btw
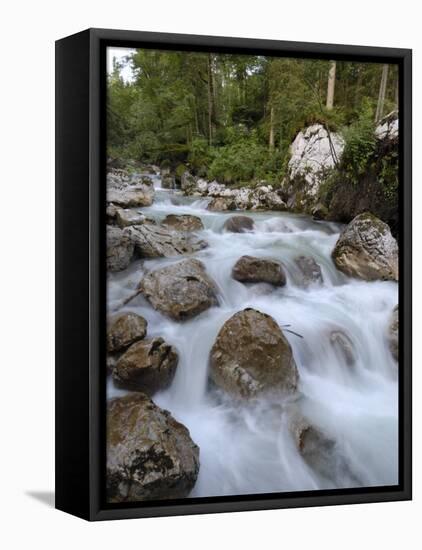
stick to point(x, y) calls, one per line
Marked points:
point(233, 117)
point(389, 174)
point(244, 160)
point(360, 144)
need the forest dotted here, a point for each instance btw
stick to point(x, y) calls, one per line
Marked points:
point(233, 117)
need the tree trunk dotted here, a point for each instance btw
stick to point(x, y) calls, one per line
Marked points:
point(331, 85)
point(271, 138)
point(381, 95)
point(396, 93)
point(210, 100)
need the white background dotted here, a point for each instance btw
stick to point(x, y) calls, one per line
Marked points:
point(28, 31)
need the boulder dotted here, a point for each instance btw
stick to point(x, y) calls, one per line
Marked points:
point(367, 250)
point(127, 190)
point(120, 249)
point(393, 333)
point(310, 271)
point(388, 127)
point(313, 154)
point(319, 212)
point(147, 366)
point(251, 356)
point(221, 204)
point(317, 449)
point(150, 456)
point(188, 183)
point(343, 346)
point(239, 224)
point(159, 242)
point(265, 198)
point(183, 222)
point(111, 212)
point(125, 218)
point(180, 291)
point(168, 181)
point(125, 329)
point(249, 269)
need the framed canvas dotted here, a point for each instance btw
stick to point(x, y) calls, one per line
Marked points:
point(232, 332)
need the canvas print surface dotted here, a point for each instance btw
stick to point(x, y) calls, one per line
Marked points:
point(252, 275)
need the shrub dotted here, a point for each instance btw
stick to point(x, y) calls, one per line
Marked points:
point(360, 144)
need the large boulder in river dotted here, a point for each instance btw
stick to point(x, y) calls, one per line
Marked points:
point(314, 153)
point(183, 222)
point(221, 204)
point(147, 366)
point(367, 250)
point(239, 224)
point(159, 242)
point(150, 456)
point(249, 269)
point(181, 290)
point(124, 330)
point(393, 333)
point(251, 356)
point(120, 249)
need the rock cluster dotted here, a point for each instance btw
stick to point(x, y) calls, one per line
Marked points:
point(262, 197)
point(126, 190)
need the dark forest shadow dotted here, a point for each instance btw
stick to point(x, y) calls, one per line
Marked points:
point(45, 497)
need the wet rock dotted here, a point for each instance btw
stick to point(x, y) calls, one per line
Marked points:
point(249, 269)
point(180, 291)
point(316, 447)
point(188, 183)
point(239, 224)
point(319, 212)
point(343, 346)
point(150, 456)
point(393, 333)
point(125, 329)
point(120, 249)
point(168, 181)
point(309, 269)
point(125, 218)
point(147, 366)
point(251, 356)
point(265, 198)
point(183, 222)
point(159, 242)
point(367, 250)
point(221, 204)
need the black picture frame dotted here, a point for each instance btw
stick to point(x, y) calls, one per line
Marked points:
point(81, 277)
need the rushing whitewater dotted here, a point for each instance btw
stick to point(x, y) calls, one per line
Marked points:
point(248, 448)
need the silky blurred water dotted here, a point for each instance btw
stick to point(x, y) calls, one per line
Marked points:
point(248, 448)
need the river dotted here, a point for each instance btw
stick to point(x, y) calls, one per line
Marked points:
point(248, 448)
